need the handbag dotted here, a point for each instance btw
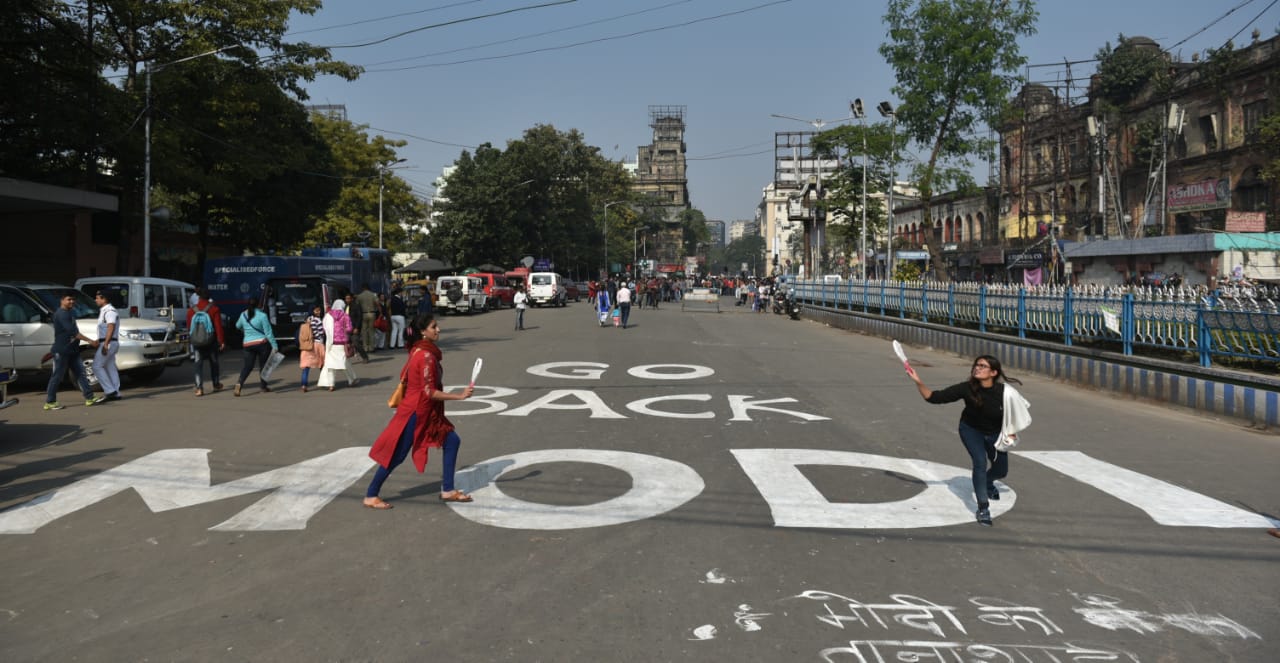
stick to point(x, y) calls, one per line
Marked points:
point(382, 325)
point(396, 396)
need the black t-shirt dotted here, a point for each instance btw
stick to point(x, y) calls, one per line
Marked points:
point(397, 305)
point(987, 417)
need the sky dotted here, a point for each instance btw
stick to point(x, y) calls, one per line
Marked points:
point(597, 66)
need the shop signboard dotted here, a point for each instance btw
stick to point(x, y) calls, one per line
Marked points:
point(1199, 196)
point(1023, 259)
point(1246, 222)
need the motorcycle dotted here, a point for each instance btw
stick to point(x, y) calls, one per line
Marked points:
point(784, 301)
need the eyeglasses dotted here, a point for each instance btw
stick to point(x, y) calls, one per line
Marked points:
point(986, 366)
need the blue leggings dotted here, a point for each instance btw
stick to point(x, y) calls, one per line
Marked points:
point(404, 446)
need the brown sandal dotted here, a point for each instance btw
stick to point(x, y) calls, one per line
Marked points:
point(456, 496)
point(378, 504)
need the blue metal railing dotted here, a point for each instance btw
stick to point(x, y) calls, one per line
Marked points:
point(1240, 322)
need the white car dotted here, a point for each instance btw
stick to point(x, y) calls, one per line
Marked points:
point(460, 294)
point(26, 332)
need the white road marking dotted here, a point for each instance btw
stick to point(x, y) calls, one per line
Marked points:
point(946, 500)
point(1166, 503)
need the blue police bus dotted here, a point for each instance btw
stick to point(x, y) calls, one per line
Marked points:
point(287, 287)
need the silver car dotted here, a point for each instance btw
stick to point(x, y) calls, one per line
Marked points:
point(26, 332)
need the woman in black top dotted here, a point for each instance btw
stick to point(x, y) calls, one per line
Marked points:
point(980, 423)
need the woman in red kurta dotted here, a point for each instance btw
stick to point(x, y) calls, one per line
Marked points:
point(419, 421)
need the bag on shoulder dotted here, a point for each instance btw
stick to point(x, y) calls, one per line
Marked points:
point(201, 329)
point(396, 396)
point(306, 340)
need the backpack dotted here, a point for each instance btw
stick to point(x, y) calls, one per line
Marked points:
point(201, 329)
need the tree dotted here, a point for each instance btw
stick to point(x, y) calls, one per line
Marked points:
point(693, 230)
point(354, 210)
point(539, 197)
point(1126, 70)
point(64, 48)
point(843, 201)
point(747, 250)
point(955, 62)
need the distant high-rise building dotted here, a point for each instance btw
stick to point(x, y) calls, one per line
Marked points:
point(717, 233)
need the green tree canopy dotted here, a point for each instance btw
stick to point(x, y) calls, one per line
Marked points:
point(1124, 71)
point(541, 196)
point(843, 201)
point(956, 65)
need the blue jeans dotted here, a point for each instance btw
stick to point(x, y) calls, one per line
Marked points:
point(199, 357)
point(404, 446)
point(982, 450)
point(258, 354)
point(519, 318)
point(62, 362)
point(626, 313)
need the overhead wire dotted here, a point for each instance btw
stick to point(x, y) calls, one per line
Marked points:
point(582, 43)
point(468, 19)
point(382, 18)
point(529, 36)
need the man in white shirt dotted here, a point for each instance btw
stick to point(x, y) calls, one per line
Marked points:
point(624, 303)
point(521, 301)
point(104, 360)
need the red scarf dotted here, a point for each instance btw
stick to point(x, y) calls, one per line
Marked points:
point(427, 346)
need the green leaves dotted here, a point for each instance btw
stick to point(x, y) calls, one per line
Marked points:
point(541, 196)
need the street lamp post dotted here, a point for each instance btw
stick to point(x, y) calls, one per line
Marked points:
point(606, 234)
point(856, 109)
point(886, 110)
point(382, 169)
point(146, 158)
point(635, 256)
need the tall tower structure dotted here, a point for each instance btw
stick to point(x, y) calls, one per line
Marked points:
point(662, 178)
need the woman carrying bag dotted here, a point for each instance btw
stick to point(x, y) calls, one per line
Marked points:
point(993, 413)
point(311, 340)
point(258, 344)
point(419, 421)
point(337, 351)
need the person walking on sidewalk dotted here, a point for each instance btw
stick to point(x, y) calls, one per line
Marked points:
point(980, 424)
point(258, 344)
point(419, 422)
point(104, 360)
point(66, 355)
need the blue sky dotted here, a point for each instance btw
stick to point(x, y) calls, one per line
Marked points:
point(803, 58)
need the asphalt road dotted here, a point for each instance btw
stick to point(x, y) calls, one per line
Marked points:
point(655, 509)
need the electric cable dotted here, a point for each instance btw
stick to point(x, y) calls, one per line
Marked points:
point(382, 18)
point(581, 43)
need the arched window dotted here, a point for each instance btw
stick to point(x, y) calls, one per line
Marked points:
point(981, 228)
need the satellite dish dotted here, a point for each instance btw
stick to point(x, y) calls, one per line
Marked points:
point(527, 261)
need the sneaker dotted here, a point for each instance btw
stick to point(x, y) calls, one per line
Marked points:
point(113, 396)
point(90, 402)
point(984, 517)
point(993, 493)
point(53, 406)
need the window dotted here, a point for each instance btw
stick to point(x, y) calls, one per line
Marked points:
point(1253, 114)
point(176, 297)
point(1252, 194)
point(1209, 132)
point(153, 296)
point(16, 309)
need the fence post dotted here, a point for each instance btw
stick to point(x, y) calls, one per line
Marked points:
point(1022, 312)
point(882, 296)
point(1126, 322)
point(982, 308)
point(924, 303)
point(902, 299)
point(951, 304)
point(1069, 316)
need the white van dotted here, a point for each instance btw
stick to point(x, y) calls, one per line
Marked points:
point(143, 296)
point(547, 288)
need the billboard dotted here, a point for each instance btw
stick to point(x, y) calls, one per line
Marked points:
point(1199, 196)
